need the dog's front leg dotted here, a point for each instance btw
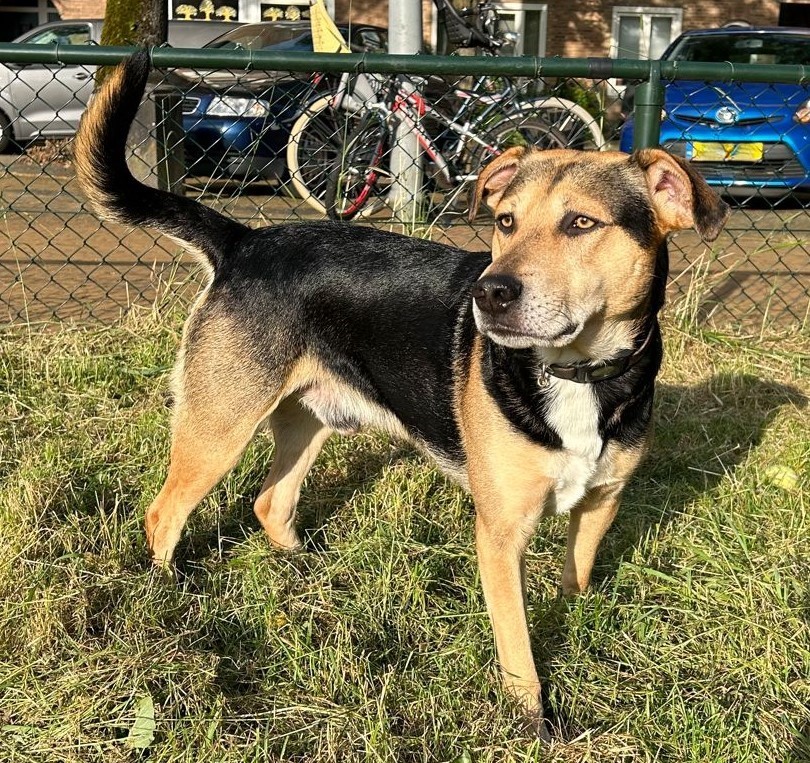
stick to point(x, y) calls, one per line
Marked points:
point(593, 516)
point(587, 526)
point(506, 474)
point(501, 540)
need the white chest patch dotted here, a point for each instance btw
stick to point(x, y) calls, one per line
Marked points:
point(574, 415)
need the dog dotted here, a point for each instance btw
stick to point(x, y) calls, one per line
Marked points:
point(527, 375)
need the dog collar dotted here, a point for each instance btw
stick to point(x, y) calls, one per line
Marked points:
point(588, 372)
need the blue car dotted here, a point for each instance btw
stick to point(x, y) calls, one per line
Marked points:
point(237, 123)
point(748, 138)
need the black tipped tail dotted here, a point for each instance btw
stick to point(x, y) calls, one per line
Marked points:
point(101, 168)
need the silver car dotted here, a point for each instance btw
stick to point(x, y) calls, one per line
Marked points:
point(47, 100)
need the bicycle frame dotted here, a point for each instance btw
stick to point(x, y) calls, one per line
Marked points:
point(409, 106)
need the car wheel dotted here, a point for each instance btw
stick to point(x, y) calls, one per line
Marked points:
point(6, 134)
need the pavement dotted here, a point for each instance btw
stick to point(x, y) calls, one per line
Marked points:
point(57, 261)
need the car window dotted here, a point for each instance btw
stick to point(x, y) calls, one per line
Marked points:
point(743, 49)
point(302, 42)
point(257, 38)
point(78, 34)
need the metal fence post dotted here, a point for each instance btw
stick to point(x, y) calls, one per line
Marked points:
point(648, 105)
point(156, 141)
point(405, 36)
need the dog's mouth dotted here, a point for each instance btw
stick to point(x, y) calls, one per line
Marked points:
point(511, 337)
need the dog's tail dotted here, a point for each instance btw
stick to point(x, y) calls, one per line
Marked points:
point(101, 168)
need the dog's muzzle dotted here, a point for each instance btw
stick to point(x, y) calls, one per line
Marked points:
point(494, 294)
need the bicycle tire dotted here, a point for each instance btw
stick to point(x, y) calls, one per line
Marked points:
point(514, 129)
point(576, 125)
point(352, 185)
point(313, 147)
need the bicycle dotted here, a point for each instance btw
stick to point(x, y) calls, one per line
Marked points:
point(319, 136)
point(476, 133)
point(319, 133)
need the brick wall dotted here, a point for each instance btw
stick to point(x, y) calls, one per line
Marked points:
point(80, 9)
point(376, 12)
point(583, 28)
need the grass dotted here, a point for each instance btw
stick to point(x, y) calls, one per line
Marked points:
point(694, 644)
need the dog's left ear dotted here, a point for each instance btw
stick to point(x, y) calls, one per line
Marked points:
point(681, 197)
point(494, 178)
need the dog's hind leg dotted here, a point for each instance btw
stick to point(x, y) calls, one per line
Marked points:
point(299, 437)
point(222, 396)
point(204, 448)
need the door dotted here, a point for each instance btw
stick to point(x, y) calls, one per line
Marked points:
point(49, 98)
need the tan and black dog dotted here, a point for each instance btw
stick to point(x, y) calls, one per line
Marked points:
point(528, 375)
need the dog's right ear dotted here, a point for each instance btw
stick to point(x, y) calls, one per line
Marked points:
point(494, 179)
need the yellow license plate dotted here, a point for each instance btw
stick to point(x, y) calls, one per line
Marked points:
point(702, 151)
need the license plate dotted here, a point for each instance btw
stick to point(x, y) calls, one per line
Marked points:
point(701, 151)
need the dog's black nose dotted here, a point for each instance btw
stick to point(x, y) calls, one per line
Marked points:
point(494, 294)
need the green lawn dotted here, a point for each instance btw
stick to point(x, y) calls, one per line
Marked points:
point(694, 644)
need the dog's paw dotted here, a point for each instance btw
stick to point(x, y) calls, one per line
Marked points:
point(163, 568)
point(537, 725)
point(289, 544)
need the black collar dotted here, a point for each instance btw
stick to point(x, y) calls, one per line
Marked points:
point(588, 371)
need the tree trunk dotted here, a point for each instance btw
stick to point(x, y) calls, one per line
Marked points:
point(156, 136)
point(133, 22)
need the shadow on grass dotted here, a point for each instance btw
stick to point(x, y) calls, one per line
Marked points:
point(702, 433)
point(801, 747)
point(362, 466)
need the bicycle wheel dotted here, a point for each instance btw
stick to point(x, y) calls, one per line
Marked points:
point(352, 186)
point(314, 146)
point(574, 124)
point(513, 130)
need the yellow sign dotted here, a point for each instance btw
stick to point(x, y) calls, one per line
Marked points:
point(326, 38)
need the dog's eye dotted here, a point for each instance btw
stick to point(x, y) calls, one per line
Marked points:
point(505, 222)
point(582, 222)
point(574, 224)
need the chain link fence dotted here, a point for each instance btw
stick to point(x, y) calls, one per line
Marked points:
point(392, 143)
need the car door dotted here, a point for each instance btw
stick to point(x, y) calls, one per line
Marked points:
point(50, 98)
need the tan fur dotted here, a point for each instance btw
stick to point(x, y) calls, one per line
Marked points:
point(86, 143)
point(604, 275)
point(591, 519)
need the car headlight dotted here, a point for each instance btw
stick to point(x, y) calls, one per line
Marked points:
point(802, 115)
point(231, 106)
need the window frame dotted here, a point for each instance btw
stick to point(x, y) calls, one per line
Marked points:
point(646, 13)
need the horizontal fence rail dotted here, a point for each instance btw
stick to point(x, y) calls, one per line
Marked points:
point(254, 135)
point(523, 66)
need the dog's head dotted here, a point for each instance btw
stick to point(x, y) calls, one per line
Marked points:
point(577, 235)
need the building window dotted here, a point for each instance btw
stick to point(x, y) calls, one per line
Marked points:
point(527, 21)
point(794, 14)
point(19, 16)
point(643, 33)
